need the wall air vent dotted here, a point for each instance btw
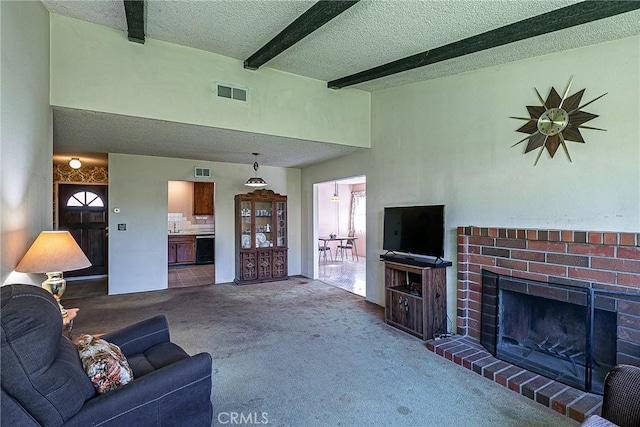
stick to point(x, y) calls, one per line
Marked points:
point(235, 93)
point(202, 172)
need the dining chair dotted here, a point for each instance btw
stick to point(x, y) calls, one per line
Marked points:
point(323, 248)
point(350, 244)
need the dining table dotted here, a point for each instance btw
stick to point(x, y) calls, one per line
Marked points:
point(339, 239)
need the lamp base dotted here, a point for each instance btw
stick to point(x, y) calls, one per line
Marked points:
point(56, 285)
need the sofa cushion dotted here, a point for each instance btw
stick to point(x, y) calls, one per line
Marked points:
point(155, 358)
point(104, 363)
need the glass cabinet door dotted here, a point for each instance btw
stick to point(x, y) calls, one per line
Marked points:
point(245, 214)
point(264, 224)
point(281, 209)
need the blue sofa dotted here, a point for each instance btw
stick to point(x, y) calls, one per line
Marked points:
point(44, 384)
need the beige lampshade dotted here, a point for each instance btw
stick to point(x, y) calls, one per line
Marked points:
point(53, 251)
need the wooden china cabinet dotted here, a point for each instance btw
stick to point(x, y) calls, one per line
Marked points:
point(261, 237)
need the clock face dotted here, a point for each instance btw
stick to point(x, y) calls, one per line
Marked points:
point(558, 120)
point(553, 121)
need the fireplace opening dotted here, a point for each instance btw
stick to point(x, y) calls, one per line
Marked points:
point(550, 337)
point(569, 334)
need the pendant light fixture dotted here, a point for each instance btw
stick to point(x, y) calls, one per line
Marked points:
point(255, 181)
point(335, 198)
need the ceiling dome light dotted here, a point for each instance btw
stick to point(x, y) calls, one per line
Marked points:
point(75, 163)
point(255, 181)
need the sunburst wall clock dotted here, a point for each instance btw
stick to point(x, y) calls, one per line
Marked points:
point(558, 120)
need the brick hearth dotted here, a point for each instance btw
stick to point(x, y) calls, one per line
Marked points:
point(466, 351)
point(599, 260)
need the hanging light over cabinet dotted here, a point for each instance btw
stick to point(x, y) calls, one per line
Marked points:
point(256, 181)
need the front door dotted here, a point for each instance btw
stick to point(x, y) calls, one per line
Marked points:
point(82, 209)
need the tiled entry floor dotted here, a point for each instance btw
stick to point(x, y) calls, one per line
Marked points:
point(182, 276)
point(348, 274)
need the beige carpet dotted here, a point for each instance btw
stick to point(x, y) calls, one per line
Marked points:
point(303, 353)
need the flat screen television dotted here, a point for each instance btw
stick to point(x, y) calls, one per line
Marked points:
point(415, 230)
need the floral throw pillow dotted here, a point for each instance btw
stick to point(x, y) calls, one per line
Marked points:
point(104, 363)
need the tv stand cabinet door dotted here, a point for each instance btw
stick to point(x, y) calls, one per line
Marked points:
point(404, 311)
point(434, 291)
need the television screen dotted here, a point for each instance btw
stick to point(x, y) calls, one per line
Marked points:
point(415, 230)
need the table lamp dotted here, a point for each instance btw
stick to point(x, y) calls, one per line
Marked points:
point(52, 253)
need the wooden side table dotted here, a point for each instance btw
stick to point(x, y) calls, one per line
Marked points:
point(67, 321)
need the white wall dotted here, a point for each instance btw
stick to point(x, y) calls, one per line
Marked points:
point(97, 68)
point(328, 214)
point(26, 147)
point(180, 198)
point(138, 186)
point(448, 141)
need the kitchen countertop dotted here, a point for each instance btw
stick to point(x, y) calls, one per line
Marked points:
point(192, 233)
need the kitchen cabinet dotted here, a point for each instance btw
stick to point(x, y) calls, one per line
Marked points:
point(203, 198)
point(182, 249)
point(261, 237)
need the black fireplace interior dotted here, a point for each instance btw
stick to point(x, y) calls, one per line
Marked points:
point(565, 333)
point(550, 337)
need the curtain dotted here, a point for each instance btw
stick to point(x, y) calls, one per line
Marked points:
point(358, 211)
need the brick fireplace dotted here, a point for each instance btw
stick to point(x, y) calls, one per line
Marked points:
point(588, 259)
point(600, 260)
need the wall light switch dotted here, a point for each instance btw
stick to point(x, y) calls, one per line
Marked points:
point(122, 227)
point(116, 210)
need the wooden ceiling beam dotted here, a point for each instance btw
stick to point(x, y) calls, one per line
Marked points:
point(134, 10)
point(566, 17)
point(315, 17)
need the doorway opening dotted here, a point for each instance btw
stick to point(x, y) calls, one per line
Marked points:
point(341, 233)
point(191, 233)
point(82, 210)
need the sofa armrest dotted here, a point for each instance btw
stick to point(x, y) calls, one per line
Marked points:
point(178, 394)
point(621, 400)
point(140, 336)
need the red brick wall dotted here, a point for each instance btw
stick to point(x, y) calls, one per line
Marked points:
point(603, 260)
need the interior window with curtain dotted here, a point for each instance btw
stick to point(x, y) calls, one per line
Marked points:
point(358, 211)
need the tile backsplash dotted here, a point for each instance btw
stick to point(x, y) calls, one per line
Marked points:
point(176, 221)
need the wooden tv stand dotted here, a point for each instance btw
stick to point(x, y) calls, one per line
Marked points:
point(416, 298)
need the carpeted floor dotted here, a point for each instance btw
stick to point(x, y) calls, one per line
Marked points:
point(303, 353)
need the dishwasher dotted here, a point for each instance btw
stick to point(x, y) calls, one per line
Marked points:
point(205, 249)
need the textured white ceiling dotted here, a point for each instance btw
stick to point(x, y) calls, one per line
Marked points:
point(137, 135)
point(371, 33)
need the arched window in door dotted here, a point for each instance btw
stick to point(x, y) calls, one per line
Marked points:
point(85, 198)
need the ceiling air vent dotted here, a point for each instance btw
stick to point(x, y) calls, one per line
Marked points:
point(202, 172)
point(231, 92)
